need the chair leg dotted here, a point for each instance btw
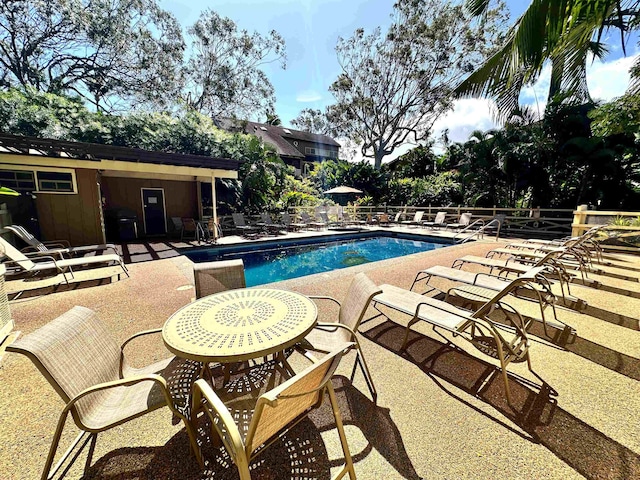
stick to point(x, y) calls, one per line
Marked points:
point(92, 447)
point(348, 461)
point(365, 371)
point(54, 446)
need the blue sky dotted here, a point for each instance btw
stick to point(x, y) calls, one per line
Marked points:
point(311, 28)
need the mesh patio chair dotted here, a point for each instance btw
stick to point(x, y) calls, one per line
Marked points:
point(328, 336)
point(216, 277)
point(189, 229)
point(290, 224)
point(439, 221)
point(40, 265)
point(248, 425)
point(84, 364)
point(60, 247)
point(417, 219)
point(505, 342)
point(241, 226)
point(312, 223)
point(463, 221)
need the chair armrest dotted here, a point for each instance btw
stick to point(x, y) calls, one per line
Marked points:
point(140, 334)
point(53, 243)
point(322, 297)
point(49, 253)
point(133, 337)
point(230, 436)
point(124, 382)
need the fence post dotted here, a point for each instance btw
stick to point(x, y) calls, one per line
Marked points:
point(579, 218)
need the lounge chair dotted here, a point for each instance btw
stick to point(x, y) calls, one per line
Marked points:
point(190, 229)
point(463, 221)
point(507, 343)
point(79, 358)
point(312, 223)
point(33, 266)
point(57, 247)
point(268, 224)
point(326, 337)
point(241, 226)
point(439, 221)
point(290, 224)
point(263, 419)
point(417, 219)
point(482, 287)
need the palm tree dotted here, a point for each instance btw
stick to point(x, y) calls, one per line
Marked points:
point(563, 32)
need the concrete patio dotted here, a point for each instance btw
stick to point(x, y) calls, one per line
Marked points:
point(441, 412)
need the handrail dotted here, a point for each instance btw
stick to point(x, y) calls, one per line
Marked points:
point(480, 231)
point(468, 227)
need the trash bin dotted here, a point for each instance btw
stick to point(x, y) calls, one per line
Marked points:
point(121, 224)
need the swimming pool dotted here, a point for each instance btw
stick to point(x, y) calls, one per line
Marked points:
point(273, 261)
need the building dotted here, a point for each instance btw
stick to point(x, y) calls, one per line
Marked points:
point(75, 191)
point(296, 148)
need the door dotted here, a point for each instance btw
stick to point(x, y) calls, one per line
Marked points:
point(153, 211)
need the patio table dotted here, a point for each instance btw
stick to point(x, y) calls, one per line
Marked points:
point(238, 325)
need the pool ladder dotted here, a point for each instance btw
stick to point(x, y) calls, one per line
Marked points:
point(479, 232)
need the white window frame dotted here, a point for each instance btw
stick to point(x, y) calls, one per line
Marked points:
point(35, 170)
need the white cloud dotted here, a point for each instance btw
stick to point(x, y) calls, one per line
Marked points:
point(468, 114)
point(608, 80)
point(308, 96)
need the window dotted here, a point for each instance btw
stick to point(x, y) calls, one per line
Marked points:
point(18, 180)
point(320, 152)
point(55, 182)
point(286, 130)
point(50, 180)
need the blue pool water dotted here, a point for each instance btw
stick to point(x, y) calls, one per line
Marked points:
point(274, 261)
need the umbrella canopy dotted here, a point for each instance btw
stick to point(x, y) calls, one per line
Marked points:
point(343, 189)
point(8, 191)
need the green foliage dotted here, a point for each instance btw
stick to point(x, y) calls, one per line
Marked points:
point(360, 175)
point(298, 193)
point(224, 75)
point(395, 84)
point(104, 51)
point(439, 189)
point(618, 117)
point(620, 221)
point(562, 33)
point(417, 162)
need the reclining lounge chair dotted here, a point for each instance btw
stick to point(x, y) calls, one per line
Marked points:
point(506, 343)
point(57, 247)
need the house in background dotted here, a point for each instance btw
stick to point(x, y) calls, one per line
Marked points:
point(87, 193)
point(295, 147)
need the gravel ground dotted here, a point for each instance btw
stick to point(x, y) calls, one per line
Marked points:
point(441, 412)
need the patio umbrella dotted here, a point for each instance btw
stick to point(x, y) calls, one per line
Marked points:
point(343, 189)
point(8, 191)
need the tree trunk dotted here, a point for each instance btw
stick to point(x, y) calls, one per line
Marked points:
point(379, 155)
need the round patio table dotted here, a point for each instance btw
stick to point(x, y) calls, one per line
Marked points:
point(238, 325)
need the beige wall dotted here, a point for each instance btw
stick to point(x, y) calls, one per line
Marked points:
point(72, 217)
point(180, 197)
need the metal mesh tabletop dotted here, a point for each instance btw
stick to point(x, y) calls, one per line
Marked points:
point(239, 324)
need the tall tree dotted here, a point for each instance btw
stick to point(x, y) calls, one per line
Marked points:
point(394, 85)
point(224, 75)
point(312, 121)
point(105, 51)
point(562, 32)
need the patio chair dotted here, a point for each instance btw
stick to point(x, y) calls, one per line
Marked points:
point(241, 226)
point(518, 266)
point(439, 221)
point(248, 425)
point(312, 223)
point(506, 343)
point(216, 277)
point(56, 247)
point(39, 265)
point(326, 337)
point(269, 225)
point(290, 224)
point(417, 219)
point(85, 365)
point(482, 287)
point(463, 221)
point(190, 228)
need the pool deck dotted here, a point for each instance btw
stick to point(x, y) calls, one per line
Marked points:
point(441, 412)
